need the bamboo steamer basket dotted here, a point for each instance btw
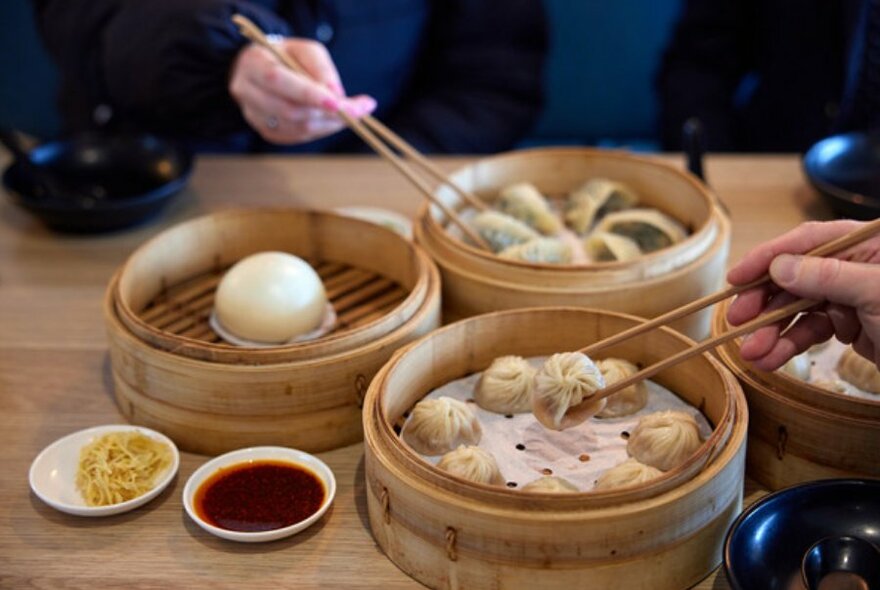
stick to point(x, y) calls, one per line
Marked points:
point(799, 432)
point(476, 281)
point(447, 532)
point(375, 279)
point(311, 398)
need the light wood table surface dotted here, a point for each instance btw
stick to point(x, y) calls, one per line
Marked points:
point(54, 379)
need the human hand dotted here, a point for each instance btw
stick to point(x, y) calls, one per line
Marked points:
point(285, 107)
point(848, 285)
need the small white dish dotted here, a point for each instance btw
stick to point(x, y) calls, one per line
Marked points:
point(250, 455)
point(379, 216)
point(53, 473)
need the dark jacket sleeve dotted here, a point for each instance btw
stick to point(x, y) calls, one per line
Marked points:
point(479, 85)
point(702, 69)
point(160, 64)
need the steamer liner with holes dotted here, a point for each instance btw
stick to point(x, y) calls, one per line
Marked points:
point(173, 373)
point(476, 281)
point(799, 432)
point(447, 532)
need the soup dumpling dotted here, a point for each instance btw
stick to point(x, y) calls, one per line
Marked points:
point(505, 387)
point(473, 464)
point(626, 401)
point(562, 391)
point(628, 473)
point(439, 425)
point(664, 440)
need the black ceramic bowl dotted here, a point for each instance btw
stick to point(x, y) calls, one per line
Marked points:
point(766, 545)
point(845, 169)
point(100, 182)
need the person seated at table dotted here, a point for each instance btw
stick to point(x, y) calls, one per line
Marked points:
point(771, 75)
point(847, 285)
point(448, 75)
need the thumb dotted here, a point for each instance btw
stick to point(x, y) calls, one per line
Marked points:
point(828, 279)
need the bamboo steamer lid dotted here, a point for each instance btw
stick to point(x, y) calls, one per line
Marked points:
point(450, 533)
point(799, 432)
point(476, 281)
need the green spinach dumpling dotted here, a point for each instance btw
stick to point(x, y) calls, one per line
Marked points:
point(648, 228)
point(502, 231)
point(549, 250)
point(596, 199)
point(524, 202)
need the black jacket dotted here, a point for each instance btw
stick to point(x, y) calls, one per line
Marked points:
point(449, 75)
point(763, 75)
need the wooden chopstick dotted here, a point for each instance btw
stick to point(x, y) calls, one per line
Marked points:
point(409, 151)
point(759, 322)
point(252, 32)
point(832, 247)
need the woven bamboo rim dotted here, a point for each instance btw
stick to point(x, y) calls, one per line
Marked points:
point(380, 419)
point(370, 299)
point(564, 162)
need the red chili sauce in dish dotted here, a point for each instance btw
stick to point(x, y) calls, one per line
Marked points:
point(259, 496)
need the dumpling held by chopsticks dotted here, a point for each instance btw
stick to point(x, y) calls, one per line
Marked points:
point(562, 390)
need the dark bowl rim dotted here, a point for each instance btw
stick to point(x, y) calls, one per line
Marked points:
point(159, 193)
point(772, 497)
point(810, 164)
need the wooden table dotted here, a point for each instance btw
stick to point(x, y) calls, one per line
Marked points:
point(54, 379)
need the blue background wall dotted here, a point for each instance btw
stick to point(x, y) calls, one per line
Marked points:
point(27, 77)
point(602, 61)
point(599, 79)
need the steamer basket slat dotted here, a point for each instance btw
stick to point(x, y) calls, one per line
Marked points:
point(211, 397)
point(476, 282)
point(449, 533)
point(799, 432)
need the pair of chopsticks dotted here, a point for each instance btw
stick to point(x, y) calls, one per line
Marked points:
point(371, 130)
point(782, 313)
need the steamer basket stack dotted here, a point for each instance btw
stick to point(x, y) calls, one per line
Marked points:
point(173, 374)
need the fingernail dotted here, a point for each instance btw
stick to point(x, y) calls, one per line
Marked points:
point(330, 105)
point(363, 107)
point(351, 109)
point(784, 268)
point(355, 109)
